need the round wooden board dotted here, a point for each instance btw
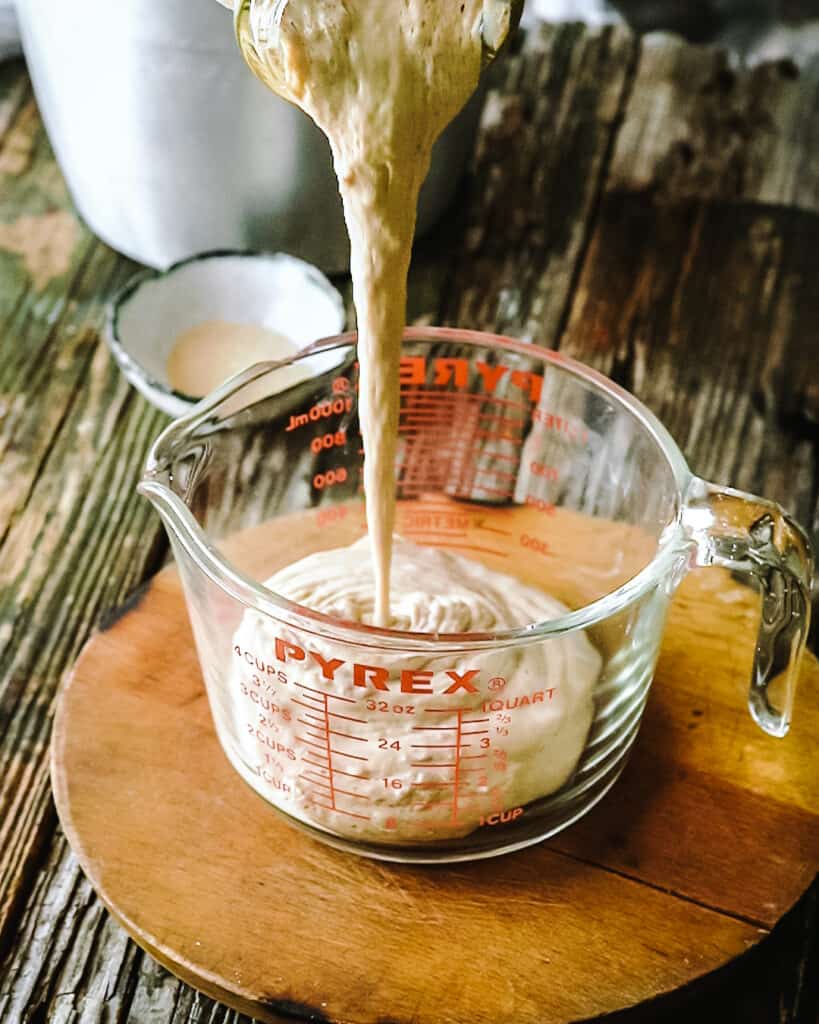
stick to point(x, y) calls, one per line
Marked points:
point(709, 837)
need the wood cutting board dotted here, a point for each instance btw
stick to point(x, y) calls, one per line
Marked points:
point(709, 837)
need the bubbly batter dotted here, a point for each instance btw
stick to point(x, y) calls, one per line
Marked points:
point(420, 704)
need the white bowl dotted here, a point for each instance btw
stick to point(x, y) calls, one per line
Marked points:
point(272, 290)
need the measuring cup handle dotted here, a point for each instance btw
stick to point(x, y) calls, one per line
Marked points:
point(756, 538)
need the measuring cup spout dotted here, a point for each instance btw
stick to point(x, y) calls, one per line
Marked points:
point(168, 476)
point(166, 504)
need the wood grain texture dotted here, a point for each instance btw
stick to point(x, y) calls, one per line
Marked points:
point(547, 129)
point(49, 339)
point(696, 128)
point(707, 312)
point(74, 539)
point(199, 869)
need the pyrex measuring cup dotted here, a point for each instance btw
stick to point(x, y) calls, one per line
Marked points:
point(422, 746)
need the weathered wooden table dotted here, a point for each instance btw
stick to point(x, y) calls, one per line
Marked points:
point(635, 203)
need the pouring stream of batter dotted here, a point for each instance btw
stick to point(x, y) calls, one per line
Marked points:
point(382, 80)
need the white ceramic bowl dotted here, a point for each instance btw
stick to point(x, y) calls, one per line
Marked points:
point(272, 290)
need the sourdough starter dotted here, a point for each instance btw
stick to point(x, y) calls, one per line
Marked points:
point(382, 79)
point(547, 698)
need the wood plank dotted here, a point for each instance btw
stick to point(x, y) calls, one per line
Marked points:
point(589, 942)
point(74, 539)
point(703, 766)
point(547, 128)
point(707, 312)
point(694, 127)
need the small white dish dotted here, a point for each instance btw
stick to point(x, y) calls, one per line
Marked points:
point(272, 290)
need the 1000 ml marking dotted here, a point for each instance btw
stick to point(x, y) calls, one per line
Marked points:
point(320, 411)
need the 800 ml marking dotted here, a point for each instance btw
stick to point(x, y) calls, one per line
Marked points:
point(322, 442)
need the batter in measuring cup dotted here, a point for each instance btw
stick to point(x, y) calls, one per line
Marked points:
point(420, 747)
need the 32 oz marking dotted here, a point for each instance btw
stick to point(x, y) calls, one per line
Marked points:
point(386, 708)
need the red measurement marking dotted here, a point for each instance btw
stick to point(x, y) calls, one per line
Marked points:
point(541, 469)
point(474, 757)
point(484, 436)
point(301, 704)
point(422, 505)
point(466, 440)
point(429, 441)
point(498, 472)
point(343, 753)
point(308, 696)
point(347, 718)
point(454, 398)
point(348, 736)
point(423, 728)
point(317, 779)
point(322, 734)
point(426, 764)
point(472, 547)
point(457, 769)
point(423, 417)
point(434, 418)
point(318, 718)
point(417, 490)
point(474, 732)
point(474, 721)
point(350, 775)
point(349, 792)
point(428, 807)
point(329, 758)
point(453, 534)
point(438, 746)
point(447, 466)
point(325, 696)
point(494, 490)
point(307, 743)
point(530, 543)
point(352, 814)
point(314, 782)
point(316, 764)
point(496, 455)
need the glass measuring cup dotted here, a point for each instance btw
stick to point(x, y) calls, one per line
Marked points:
point(433, 747)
